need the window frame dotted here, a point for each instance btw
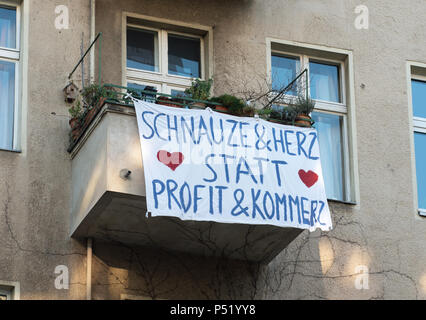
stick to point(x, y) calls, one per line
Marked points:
point(419, 123)
point(6, 293)
point(418, 126)
point(10, 289)
point(350, 185)
point(13, 55)
point(166, 81)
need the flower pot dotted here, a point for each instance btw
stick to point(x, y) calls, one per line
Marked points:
point(248, 112)
point(303, 120)
point(75, 133)
point(221, 108)
point(74, 123)
point(198, 105)
point(101, 102)
point(167, 102)
point(275, 121)
point(89, 116)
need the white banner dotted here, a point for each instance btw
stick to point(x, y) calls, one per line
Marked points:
point(206, 166)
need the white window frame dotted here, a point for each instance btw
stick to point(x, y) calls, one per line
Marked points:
point(166, 81)
point(350, 168)
point(14, 55)
point(419, 126)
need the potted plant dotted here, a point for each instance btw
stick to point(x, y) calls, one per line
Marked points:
point(304, 107)
point(264, 113)
point(230, 104)
point(199, 90)
point(94, 97)
point(248, 111)
point(93, 94)
point(286, 115)
point(75, 122)
point(166, 101)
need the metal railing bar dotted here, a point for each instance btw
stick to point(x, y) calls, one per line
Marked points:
point(289, 86)
point(156, 95)
point(85, 54)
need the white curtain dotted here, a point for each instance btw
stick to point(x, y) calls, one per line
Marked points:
point(7, 104)
point(420, 144)
point(324, 82)
point(331, 149)
point(7, 28)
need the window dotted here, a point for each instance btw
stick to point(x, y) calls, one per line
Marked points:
point(325, 82)
point(418, 87)
point(9, 62)
point(184, 56)
point(164, 56)
point(9, 290)
point(5, 295)
point(284, 70)
point(142, 49)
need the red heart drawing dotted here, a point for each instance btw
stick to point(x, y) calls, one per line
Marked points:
point(172, 160)
point(308, 178)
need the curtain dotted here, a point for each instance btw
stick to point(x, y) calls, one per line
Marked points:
point(420, 146)
point(7, 28)
point(329, 129)
point(7, 104)
point(419, 98)
point(324, 82)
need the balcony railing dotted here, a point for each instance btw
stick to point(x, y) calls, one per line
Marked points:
point(123, 96)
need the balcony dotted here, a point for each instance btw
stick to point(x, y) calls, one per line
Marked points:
point(108, 194)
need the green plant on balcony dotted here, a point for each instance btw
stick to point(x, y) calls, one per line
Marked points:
point(200, 89)
point(284, 115)
point(91, 95)
point(303, 107)
point(75, 112)
point(87, 105)
point(233, 105)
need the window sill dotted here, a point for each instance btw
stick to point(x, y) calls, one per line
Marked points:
point(422, 213)
point(345, 202)
point(12, 151)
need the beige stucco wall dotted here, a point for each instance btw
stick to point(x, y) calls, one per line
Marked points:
point(35, 185)
point(381, 232)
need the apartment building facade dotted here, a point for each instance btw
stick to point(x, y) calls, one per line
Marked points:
point(72, 227)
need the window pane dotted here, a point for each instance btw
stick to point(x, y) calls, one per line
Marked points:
point(7, 27)
point(178, 93)
point(141, 86)
point(420, 144)
point(419, 98)
point(284, 70)
point(142, 50)
point(324, 82)
point(143, 95)
point(184, 56)
point(329, 129)
point(7, 104)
